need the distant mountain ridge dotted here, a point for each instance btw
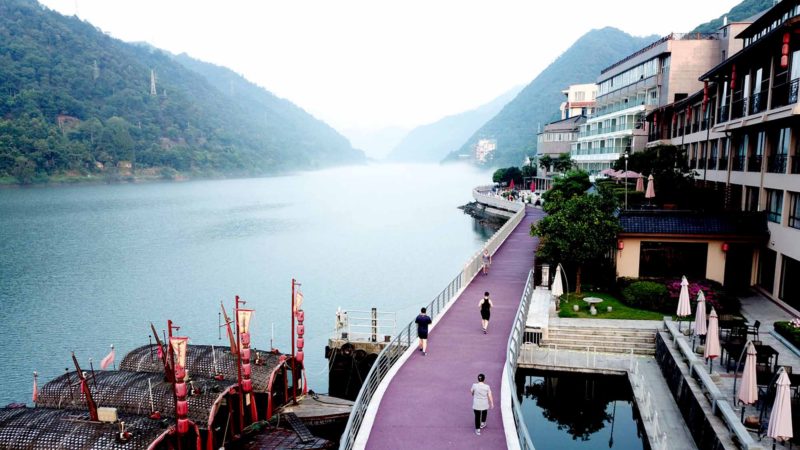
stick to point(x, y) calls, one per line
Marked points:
point(75, 102)
point(516, 125)
point(432, 142)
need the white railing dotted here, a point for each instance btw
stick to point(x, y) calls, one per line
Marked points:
point(402, 343)
point(481, 195)
point(516, 429)
point(365, 326)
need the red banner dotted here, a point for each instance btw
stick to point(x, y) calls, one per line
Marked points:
point(179, 347)
point(298, 299)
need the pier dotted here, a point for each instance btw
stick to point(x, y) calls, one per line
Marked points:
point(412, 400)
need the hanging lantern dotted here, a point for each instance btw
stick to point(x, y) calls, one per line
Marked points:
point(300, 342)
point(301, 330)
point(733, 77)
point(299, 356)
point(689, 114)
point(705, 96)
point(620, 245)
point(785, 51)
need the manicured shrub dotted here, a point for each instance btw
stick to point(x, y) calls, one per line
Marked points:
point(646, 295)
point(789, 330)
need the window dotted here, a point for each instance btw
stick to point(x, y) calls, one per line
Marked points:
point(673, 259)
point(790, 281)
point(794, 210)
point(580, 96)
point(774, 205)
point(751, 198)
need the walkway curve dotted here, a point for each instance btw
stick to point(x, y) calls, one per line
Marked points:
point(428, 404)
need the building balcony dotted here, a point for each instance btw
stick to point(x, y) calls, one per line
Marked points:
point(723, 163)
point(785, 93)
point(758, 102)
point(777, 163)
point(701, 164)
point(722, 114)
point(795, 165)
point(738, 164)
point(754, 163)
point(712, 163)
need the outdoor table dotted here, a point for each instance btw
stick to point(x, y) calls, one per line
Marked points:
point(592, 301)
point(730, 321)
point(763, 352)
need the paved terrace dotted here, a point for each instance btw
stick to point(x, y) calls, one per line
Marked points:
point(428, 403)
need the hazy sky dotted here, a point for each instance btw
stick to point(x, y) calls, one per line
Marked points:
point(372, 64)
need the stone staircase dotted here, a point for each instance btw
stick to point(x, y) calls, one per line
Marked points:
point(603, 339)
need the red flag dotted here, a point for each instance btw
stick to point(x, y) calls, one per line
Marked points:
point(160, 353)
point(108, 360)
point(35, 389)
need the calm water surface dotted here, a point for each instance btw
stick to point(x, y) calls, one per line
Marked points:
point(578, 411)
point(88, 266)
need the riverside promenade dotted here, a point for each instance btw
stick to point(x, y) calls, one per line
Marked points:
point(428, 403)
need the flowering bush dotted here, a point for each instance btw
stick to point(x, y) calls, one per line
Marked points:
point(795, 323)
point(715, 295)
point(789, 330)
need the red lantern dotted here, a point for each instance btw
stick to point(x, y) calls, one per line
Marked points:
point(705, 96)
point(620, 245)
point(180, 389)
point(245, 352)
point(182, 407)
point(183, 426)
point(733, 77)
point(301, 330)
point(689, 114)
point(245, 337)
point(300, 342)
point(299, 356)
point(725, 246)
point(246, 370)
point(300, 315)
point(247, 385)
point(785, 51)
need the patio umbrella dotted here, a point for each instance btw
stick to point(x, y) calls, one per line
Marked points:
point(610, 172)
point(651, 189)
point(700, 328)
point(712, 341)
point(533, 187)
point(557, 290)
point(640, 184)
point(748, 390)
point(684, 309)
point(780, 420)
point(511, 186)
point(627, 174)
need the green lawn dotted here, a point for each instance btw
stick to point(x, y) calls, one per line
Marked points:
point(618, 309)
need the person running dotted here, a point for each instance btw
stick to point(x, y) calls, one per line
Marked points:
point(487, 261)
point(422, 322)
point(486, 311)
point(482, 401)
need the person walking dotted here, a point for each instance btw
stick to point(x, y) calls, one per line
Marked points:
point(482, 401)
point(486, 311)
point(422, 321)
point(487, 261)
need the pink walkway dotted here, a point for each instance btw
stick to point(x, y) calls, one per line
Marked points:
point(428, 404)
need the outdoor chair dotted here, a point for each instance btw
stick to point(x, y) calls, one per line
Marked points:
point(753, 329)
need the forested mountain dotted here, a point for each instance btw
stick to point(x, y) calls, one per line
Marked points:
point(743, 10)
point(432, 142)
point(515, 127)
point(75, 102)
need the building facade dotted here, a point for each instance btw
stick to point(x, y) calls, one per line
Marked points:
point(580, 100)
point(661, 73)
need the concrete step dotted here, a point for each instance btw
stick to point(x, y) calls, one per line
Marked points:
point(604, 340)
point(594, 342)
point(600, 348)
point(632, 332)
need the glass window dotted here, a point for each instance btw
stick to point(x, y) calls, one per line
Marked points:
point(790, 281)
point(782, 144)
point(673, 259)
point(774, 205)
point(794, 210)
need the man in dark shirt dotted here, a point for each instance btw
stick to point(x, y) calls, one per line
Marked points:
point(422, 330)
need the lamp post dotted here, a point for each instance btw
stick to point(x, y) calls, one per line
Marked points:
point(626, 180)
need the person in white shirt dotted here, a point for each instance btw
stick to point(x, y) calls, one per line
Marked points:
point(482, 401)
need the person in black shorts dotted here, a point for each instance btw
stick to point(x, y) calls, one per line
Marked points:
point(422, 330)
point(486, 311)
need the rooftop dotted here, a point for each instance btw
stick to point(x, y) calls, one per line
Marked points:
point(739, 224)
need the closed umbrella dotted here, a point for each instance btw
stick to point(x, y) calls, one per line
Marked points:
point(651, 189)
point(557, 290)
point(684, 310)
point(748, 391)
point(700, 327)
point(640, 184)
point(533, 187)
point(511, 186)
point(712, 349)
point(780, 420)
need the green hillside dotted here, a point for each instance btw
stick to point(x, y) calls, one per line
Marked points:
point(743, 10)
point(76, 103)
point(515, 127)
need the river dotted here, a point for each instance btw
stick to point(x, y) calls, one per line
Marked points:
point(83, 267)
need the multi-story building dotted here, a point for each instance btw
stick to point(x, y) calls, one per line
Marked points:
point(754, 144)
point(580, 100)
point(663, 72)
point(484, 150)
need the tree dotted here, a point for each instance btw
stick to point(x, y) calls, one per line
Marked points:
point(508, 174)
point(563, 163)
point(581, 231)
point(545, 161)
point(670, 169)
point(571, 184)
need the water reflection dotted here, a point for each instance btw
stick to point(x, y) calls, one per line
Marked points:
point(580, 411)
